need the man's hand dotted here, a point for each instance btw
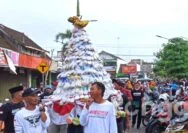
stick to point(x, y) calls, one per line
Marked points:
point(42, 114)
point(117, 116)
point(89, 102)
point(69, 120)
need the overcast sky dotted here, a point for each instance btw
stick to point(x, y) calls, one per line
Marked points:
point(124, 27)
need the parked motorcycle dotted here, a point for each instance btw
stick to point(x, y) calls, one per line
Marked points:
point(179, 123)
point(148, 111)
point(159, 119)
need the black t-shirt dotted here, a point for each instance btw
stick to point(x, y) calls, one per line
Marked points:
point(7, 112)
point(125, 101)
point(137, 98)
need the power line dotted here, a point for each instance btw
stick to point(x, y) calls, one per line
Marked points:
point(136, 55)
point(124, 47)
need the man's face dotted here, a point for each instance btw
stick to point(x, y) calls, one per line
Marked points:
point(32, 100)
point(137, 86)
point(95, 92)
point(48, 90)
point(116, 86)
point(18, 95)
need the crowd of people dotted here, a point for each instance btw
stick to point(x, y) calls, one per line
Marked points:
point(26, 113)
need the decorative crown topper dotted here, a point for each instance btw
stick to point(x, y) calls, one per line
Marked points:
point(76, 21)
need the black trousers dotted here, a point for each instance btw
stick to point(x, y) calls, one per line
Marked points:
point(121, 125)
point(137, 116)
point(75, 129)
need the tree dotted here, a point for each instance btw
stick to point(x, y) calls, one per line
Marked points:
point(63, 37)
point(172, 60)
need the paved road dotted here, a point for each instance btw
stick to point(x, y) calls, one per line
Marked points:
point(134, 130)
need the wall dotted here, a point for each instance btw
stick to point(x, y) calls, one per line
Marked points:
point(8, 80)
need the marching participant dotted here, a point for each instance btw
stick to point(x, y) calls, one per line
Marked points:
point(8, 110)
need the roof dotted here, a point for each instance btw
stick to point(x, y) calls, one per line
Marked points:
point(114, 56)
point(5, 44)
point(16, 37)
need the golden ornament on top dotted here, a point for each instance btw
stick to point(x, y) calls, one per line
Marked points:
point(78, 22)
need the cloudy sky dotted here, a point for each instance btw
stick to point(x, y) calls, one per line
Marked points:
point(126, 28)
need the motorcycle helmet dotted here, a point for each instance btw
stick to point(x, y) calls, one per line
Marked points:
point(164, 97)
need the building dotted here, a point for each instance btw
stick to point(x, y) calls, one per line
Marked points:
point(19, 59)
point(110, 62)
point(145, 67)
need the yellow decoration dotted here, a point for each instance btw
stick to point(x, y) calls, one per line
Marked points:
point(78, 22)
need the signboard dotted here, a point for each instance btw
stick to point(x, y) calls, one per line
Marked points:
point(33, 61)
point(43, 67)
point(129, 69)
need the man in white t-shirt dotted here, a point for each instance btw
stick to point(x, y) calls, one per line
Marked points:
point(31, 118)
point(98, 116)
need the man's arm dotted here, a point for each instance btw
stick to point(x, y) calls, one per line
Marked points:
point(84, 116)
point(1, 125)
point(17, 123)
point(3, 116)
point(85, 112)
point(45, 118)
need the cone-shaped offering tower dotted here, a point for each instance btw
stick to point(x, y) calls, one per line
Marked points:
point(81, 67)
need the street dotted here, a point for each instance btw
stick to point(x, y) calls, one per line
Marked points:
point(134, 130)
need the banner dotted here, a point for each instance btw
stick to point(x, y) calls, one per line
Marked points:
point(14, 56)
point(3, 61)
point(10, 64)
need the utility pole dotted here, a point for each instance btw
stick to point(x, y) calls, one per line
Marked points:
point(78, 9)
point(47, 73)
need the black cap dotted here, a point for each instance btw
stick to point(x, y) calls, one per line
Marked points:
point(15, 89)
point(30, 92)
point(118, 81)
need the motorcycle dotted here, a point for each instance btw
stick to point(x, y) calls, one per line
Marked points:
point(179, 124)
point(158, 121)
point(148, 112)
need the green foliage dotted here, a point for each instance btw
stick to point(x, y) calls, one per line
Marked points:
point(63, 37)
point(172, 60)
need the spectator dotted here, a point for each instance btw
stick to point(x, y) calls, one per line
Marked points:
point(137, 105)
point(118, 84)
point(8, 110)
point(75, 114)
point(129, 85)
point(47, 92)
point(54, 85)
point(121, 121)
point(32, 118)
